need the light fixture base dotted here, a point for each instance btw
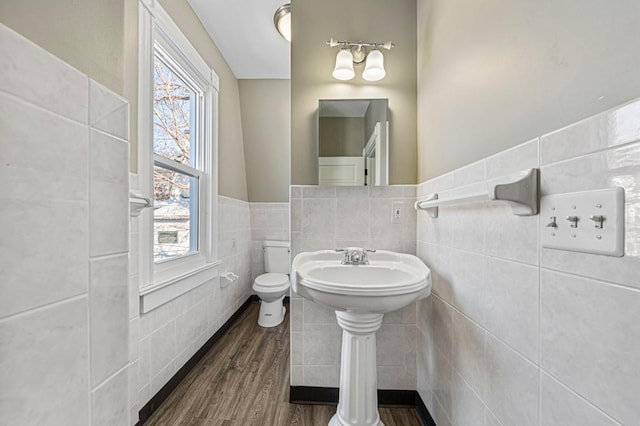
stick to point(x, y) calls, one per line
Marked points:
point(359, 54)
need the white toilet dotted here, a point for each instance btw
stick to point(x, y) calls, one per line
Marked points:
point(273, 286)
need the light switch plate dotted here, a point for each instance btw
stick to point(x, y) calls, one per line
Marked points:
point(397, 212)
point(585, 236)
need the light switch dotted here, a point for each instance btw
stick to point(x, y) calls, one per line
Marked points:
point(397, 212)
point(588, 221)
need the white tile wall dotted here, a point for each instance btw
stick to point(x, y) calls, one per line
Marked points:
point(168, 336)
point(516, 334)
point(330, 217)
point(64, 328)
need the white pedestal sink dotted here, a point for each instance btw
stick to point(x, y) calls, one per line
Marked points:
point(360, 295)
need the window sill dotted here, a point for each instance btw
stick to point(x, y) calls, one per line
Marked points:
point(158, 294)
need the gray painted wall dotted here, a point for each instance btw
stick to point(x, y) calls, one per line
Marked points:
point(312, 63)
point(87, 35)
point(341, 136)
point(266, 126)
point(494, 74)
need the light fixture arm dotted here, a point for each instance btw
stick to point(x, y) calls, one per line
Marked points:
point(346, 43)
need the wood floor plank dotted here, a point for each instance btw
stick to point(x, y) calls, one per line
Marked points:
point(244, 380)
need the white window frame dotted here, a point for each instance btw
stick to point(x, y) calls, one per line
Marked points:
point(170, 278)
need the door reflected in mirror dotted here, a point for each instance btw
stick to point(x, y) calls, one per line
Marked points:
point(353, 142)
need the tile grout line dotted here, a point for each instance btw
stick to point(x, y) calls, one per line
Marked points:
point(88, 260)
point(539, 244)
point(580, 396)
point(39, 308)
point(57, 115)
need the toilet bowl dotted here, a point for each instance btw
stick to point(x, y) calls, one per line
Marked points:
point(272, 286)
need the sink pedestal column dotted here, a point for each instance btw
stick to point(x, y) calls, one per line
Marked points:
point(358, 403)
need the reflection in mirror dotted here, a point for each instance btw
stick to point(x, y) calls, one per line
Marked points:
point(353, 142)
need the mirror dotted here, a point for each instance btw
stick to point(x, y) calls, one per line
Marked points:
point(353, 142)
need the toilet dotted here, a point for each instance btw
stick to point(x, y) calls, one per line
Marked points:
point(272, 286)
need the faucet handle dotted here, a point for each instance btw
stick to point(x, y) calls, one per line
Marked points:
point(370, 250)
point(340, 249)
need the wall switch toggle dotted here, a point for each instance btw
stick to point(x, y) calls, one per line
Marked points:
point(574, 220)
point(598, 220)
point(553, 223)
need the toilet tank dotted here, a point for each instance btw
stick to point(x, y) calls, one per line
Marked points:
point(276, 256)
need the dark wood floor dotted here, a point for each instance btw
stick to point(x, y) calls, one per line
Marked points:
point(244, 380)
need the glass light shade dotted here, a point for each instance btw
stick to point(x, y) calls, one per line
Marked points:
point(374, 68)
point(282, 21)
point(344, 65)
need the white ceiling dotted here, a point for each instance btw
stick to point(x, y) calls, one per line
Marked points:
point(244, 32)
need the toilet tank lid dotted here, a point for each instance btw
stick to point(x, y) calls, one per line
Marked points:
point(271, 243)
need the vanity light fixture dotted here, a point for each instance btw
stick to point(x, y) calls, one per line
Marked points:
point(356, 52)
point(282, 21)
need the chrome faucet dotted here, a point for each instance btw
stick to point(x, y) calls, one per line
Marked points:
point(355, 256)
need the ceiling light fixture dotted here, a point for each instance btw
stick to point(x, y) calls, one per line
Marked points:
point(282, 21)
point(356, 52)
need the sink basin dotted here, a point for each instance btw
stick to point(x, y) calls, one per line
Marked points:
point(389, 282)
point(360, 294)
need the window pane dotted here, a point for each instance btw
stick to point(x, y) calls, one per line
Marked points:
point(174, 115)
point(175, 214)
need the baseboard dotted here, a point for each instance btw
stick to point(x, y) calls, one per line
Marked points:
point(386, 398)
point(423, 412)
point(150, 407)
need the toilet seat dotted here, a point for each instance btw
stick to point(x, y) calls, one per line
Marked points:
point(271, 282)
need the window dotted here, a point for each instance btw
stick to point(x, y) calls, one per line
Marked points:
point(177, 170)
point(177, 149)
